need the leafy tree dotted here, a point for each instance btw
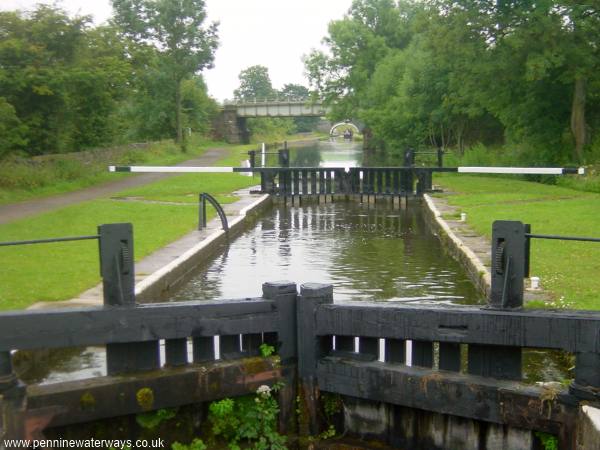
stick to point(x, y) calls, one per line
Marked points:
point(12, 131)
point(176, 30)
point(455, 72)
point(294, 92)
point(255, 84)
point(62, 78)
point(198, 107)
point(297, 92)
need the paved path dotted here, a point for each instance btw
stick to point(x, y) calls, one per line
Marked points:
point(15, 211)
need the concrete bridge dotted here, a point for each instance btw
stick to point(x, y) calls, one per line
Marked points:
point(231, 122)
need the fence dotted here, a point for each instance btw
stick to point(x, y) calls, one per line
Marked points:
point(315, 339)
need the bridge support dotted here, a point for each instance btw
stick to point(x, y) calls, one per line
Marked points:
point(229, 126)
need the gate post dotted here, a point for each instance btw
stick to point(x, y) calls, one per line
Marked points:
point(285, 293)
point(118, 282)
point(310, 348)
point(284, 157)
point(509, 267)
point(12, 401)
point(586, 385)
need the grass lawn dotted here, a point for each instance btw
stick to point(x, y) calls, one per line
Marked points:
point(25, 180)
point(568, 270)
point(61, 271)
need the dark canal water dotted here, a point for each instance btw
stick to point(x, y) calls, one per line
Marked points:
point(368, 253)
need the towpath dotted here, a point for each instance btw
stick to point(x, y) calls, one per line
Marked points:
point(16, 211)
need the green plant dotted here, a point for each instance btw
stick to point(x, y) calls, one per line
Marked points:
point(549, 441)
point(223, 418)
point(329, 433)
point(196, 444)
point(251, 418)
point(266, 350)
point(332, 404)
point(151, 420)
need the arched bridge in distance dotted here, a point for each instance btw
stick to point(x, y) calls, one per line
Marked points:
point(231, 123)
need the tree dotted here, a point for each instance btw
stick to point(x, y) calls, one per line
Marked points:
point(12, 131)
point(175, 29)
point(255, 84)
point(63, 78)
point(297, 93)
point(294, 92)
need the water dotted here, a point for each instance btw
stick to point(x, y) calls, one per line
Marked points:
point(331, 153)
point(367, 253)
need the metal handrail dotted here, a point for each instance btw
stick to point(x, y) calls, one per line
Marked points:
point(49, 240)
point(202, 211)
point(562, 238)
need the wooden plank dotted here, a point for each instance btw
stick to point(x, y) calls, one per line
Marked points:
point(344, 343)
point(574, 331)
point(132, 357)
point(388, 182)
point(496, 361)
point(103, 397)
point(369, 346)
point(396, 181)
point(251, 344)
point(95, 326)
point(422, 353)
point(296, 181)
point(304, 182)
point(328, 182)
point(321, 182)
point(203, 349)
point(503, 402)
point(450, 356)
point(310, 349)
point(176, 352)
point(395, 351)
point(379, 188)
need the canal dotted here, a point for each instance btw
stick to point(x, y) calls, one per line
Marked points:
point(367, 252)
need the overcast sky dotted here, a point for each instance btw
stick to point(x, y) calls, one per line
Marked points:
point(273, 33)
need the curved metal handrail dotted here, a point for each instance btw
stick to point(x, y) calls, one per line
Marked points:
point(202, 213)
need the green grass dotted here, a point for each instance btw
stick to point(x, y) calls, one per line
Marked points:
point(568, 270)
point(60, 271)
point(55, 174)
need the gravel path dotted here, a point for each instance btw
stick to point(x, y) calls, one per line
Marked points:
point(16, 211)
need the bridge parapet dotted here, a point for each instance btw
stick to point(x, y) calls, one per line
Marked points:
point(277, 108)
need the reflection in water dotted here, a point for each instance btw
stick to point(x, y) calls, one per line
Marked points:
point(367, 253)
point(333, 153)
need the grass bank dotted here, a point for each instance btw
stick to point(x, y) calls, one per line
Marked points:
point(568, 270)
point(60, 271)
point(42, 176)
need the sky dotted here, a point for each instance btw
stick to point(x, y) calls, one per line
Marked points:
point(272, 33)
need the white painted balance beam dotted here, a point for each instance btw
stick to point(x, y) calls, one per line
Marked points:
point(497, 170)
point(169, 169)
point(524, 170)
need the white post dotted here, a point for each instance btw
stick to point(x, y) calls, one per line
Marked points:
point(263, 155)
